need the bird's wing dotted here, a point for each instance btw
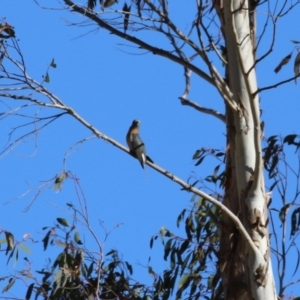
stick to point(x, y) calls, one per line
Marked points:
point(136, 141)
point(129, 141)
point(139, 149)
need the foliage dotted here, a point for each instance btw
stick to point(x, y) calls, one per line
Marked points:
point(193, 272)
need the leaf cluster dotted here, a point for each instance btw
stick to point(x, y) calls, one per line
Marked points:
point(193, 259)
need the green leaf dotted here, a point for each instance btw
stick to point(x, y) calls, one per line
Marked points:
point(47, 78)
point(283, 62)
point(150, 271)
point(272, 138)
point(179, 259)
point(57, 280)
point(168, 248)
point(164, 233)
point(294, 224)
point(180, 217)
point(184, 282)
point(197, 154)
point(194, 285)
point(53, 64)
point(111, 252)
point(209, 178)
point(10, 284)
point(90, 269)
point(200, 201)
point(3, 278)
point(79, 257)
point(283, 212)
point(199, 161)
point(24, 248)
point(29, 291)
point(60, 260)
point(46, 239)
point(189, 227)
point(10, 241)
point(63, 222)
point(173, 259)
point(289, 139)
point(219, 154)
point(297, 65)
point(185, 262)
point(129, 267)
point(274, 164)
point(210, 280)
point(184, 246)
point(59, 180)
point(11, 255)
point(297, 211)
point(273, 185)
point(152, 241)
point(83, 271)
point(174, 278)
point(215, 174)
point(77, 238)
point(167, 277)
point(295, 42)
point(17, 256)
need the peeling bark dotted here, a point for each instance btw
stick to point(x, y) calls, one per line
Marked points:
point(246, 274)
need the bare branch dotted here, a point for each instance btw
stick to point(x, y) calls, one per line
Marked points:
point(205, 110)
point(275, 85)
point(57, 103)
point(219, 81)
point(139, 42)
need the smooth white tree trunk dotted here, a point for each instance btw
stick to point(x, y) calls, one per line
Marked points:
point(246, 161)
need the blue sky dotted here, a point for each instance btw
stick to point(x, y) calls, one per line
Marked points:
point(110, 82)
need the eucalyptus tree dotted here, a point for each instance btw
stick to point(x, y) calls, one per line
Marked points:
point(224, 32)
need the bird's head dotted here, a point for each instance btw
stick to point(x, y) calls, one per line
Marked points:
point(136, 123)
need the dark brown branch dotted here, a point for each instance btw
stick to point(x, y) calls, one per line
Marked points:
point(274, 85)
point(139, 42)
point(180, 53)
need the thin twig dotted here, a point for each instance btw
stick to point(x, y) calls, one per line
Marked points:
point(202, 109)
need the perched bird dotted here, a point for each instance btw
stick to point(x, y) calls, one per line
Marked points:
point(136, 146)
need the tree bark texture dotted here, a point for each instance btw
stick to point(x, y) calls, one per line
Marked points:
point(246, 274)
